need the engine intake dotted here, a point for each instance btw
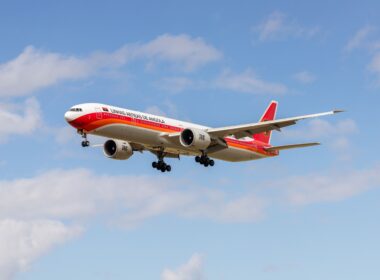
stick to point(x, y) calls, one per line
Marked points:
point(117, 149)
point(195, 139)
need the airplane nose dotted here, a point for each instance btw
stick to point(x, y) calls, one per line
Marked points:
point(69, 116)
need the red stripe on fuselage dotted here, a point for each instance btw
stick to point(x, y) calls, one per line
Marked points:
point(92, 121)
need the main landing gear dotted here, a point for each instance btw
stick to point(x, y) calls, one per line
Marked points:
point(160, 164)
point(204, 160)
point(85, 142)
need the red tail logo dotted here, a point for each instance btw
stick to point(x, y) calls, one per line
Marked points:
point(269, 115)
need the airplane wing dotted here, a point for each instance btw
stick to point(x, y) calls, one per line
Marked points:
point(240, 131)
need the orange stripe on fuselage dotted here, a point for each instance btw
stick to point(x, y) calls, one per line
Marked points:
point(93, 121)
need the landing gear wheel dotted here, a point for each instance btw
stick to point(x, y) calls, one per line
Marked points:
point(160, 164)
point(85, 143)
point(204, 160)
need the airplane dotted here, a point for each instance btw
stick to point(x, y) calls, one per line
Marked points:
point(131, 131)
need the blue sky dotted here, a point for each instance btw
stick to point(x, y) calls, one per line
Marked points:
point(70, 213)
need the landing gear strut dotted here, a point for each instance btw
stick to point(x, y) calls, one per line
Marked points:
point(204, 160)
point(85, 142)
point(160, 164)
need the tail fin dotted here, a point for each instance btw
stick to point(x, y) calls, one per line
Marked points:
point(269, 115)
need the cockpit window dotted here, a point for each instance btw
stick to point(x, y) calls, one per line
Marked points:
point(76, 109)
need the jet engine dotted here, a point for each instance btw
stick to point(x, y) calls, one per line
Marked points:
point(195, 139)
point(117, 149)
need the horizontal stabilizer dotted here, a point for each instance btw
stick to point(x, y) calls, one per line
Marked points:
point(293, 146)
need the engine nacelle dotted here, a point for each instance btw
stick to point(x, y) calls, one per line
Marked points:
point(195, 139)
point(117, 149)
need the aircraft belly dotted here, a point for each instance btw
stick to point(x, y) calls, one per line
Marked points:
point(129, 133)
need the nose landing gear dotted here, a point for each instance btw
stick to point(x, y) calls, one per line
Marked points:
point(85, 142)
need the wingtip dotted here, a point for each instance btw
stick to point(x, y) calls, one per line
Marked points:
point(315, 143)
point(338, 111)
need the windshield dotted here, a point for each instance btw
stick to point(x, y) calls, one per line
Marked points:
point(76, 109)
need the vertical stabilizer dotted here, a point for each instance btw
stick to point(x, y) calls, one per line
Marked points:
point(269, 115)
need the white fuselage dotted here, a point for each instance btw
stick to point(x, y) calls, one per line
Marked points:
point(148, 131)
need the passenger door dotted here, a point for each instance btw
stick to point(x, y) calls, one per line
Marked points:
point(99, 114)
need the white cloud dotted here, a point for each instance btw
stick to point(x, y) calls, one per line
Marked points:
point(360, 39)
point(364, 38)
point(155, 110)
point(36, 69)
point(304, 77)
point(243, 209)
point(187, 52)
point(22, 242)
point(330, 187)
point(337, 135)
point(321, 128)
point(273, 24)
point(79, 194)
point(277, 26)
point(19, 120)
point(31, 209)
point(175, 84)
point(64, 134)
point(248, 82)
point(374, 66)
point(192, 270)
point(166, 109)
